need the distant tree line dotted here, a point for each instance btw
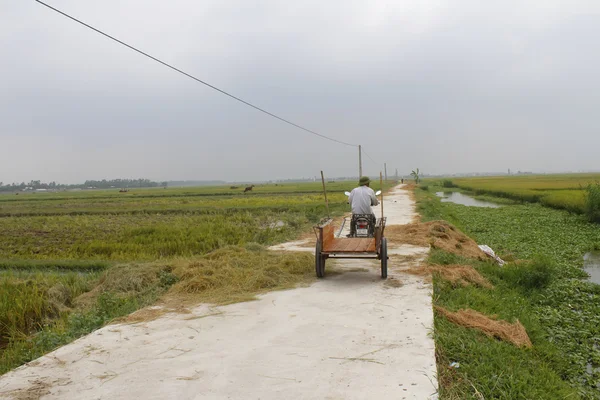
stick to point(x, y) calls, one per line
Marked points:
point(103, 184)
point(196, 183)
point(123, 183)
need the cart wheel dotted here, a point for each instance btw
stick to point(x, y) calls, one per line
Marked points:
point(384, 258)
point(319, 261)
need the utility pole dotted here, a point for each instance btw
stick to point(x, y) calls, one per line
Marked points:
point(396, 173)
point(385, 168)
point(359, 162)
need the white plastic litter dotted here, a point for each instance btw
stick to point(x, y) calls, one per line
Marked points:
point(454, 364)
point(488, 250)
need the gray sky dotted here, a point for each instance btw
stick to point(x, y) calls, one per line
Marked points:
point(446, 86)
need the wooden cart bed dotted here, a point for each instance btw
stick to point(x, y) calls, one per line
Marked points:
point(332, 244)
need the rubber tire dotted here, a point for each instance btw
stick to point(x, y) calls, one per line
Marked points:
point(384, 258)
point(319, 261)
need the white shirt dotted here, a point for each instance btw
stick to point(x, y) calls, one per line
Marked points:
point(361, 199)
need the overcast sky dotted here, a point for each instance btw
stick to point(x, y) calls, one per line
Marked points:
point(446, 86)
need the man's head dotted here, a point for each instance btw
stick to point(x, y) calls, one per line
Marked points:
point(364, 181)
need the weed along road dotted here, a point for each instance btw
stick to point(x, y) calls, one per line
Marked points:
point(350, 335)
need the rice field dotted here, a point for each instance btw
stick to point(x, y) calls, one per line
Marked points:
point(156, 223)
point(72, 261)
point(566, 191)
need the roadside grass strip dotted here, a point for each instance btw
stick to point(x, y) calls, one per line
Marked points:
point(540, 293)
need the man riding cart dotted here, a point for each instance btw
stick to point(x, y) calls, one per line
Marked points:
point(361, 200)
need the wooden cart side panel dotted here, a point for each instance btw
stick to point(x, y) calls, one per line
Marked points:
point(327, 236)
point(378, 236)
point(379, 230)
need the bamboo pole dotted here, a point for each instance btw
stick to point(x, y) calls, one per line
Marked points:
point(381, 185)
point(359, 161)
point(325, 193)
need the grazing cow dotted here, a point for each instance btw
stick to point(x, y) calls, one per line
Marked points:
point(248, 188)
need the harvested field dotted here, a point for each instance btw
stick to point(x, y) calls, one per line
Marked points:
point(437, 234)
point(514, 333)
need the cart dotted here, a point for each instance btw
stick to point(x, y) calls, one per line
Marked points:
point(329, 246)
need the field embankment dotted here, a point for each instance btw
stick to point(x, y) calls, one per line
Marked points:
point(542, 287)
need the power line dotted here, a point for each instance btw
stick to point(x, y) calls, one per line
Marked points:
point(367, 154)
point(193, 77)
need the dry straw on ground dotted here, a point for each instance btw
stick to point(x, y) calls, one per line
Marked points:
point(458, 274)
point(437, 234)
point(233, 274)
point(514, 333)
point(224, 276)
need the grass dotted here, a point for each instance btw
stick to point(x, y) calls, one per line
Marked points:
point(483, 372)
point(559, 310)
point(71, 262)
point(54, 265)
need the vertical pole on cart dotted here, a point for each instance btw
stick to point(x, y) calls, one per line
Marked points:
point(381, 185)
point(359, 162)
point(325, 193)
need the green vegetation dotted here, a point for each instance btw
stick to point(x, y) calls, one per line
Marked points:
point(71, 262)
point(546, 293)
point(490, 368)
point(145, 236)
point(416, 175)
point(592, 202)
point(27, 299)
point(447, 183)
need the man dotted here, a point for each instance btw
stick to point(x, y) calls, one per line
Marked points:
point(361, 199)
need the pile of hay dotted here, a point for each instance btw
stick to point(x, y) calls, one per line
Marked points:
point(226, 275)
point(514, 333)
point(128, 281)
point(462, 275)
point(234, 274)
point(437, 234)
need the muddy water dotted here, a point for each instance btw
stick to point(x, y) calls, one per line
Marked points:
point(591, 265)
point(460, 198)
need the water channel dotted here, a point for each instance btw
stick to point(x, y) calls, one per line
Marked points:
point(465, 200)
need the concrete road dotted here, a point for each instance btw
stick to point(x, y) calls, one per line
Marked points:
point(348, 336)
